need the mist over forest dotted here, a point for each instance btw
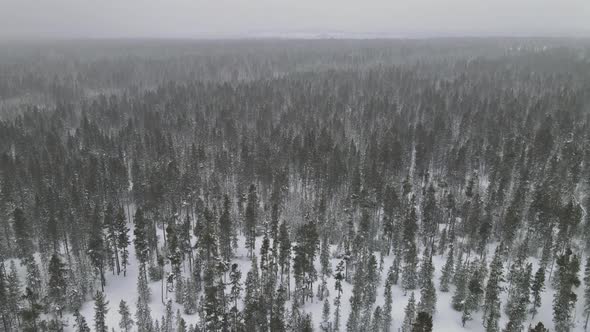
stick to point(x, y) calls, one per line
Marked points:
point(277, 184)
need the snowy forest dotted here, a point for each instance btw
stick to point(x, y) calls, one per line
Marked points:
point(295, 185)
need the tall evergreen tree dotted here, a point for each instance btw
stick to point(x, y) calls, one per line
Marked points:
point(447, 272)
point(251, 219)
point(537, 288)
point(23, 234)
point(80, 323)
point(140, 240)
point(126, 322)
point(57, 284)
point(491, 306)
point(565, 298)
point(123, 240)
point(423, 323)
point(427, 302)
point(101, 308)
point(409, 314)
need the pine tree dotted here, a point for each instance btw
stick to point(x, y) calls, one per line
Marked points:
point(251, 219)
point(173, 253)
point(519, 300)
point(109, 224)
point(101, 308)
point(423, 323)
point(461, 283)
point(339, 277)
point(537, 289)
point(409, 314)
point(277, 319)
point(325, 257)
point(428, 292)
point(13, 291)
point(388, 306)
point(23, 233)
point(143, 316)
point(429, 217)
point(565, 299)
point(126, 322)
point(96, 248)
point(377, 321)
point(189, 300)
point(226, 230)
point(4, 305)
point(123, 240)
point(285, 249)
point(57, 284)
point(447, 272)
point(409, 277)
point(409, 274)
point(326, 324)
point(539, 328)
point(31, 311)
point(33, 279)
point(140, 240)
point(168, 320)
point(212, 302)
point(251, 297)
point(394, 270)
point(491, 311)
point(80, 323)
point(586, 291)
point(471, 303)
point(181, 326)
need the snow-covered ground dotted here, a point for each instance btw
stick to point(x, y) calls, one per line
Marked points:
point(445, 320)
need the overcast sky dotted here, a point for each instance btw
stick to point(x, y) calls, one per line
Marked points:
point(251, 18)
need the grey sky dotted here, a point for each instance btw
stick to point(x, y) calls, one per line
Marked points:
point(247, 18)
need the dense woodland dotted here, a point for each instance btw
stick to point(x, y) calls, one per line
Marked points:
point(338, 170)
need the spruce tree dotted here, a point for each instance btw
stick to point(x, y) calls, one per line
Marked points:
point(123, 240)
point(586, 292)
point(96, 248)
point(189, 300)
point(447, 272)
point(428, 292)
point(13, 291)
point(140, 240)
point(409, 314)
point(326, 324)
point(277, 320)
point(4, 305)
point(23, 234)
point(143, 316)
point(80, 324)
point(409, 275)
point(377, 321)
point(339, 277)
point(126, 322)
point(251, 219)
point(491, 306)
point(226, 230)
point(423, 323)
point(565, 298)
point(388, 307)
point(475, 290)
point(251, 297)
point(57, 284)
point(537, 288)
point(101, 308)
point(539, 328)
point(519, 300)
point(461, 283)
